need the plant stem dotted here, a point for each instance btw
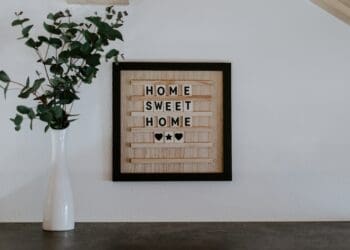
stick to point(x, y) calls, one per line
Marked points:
point(42, 61)
point(13, 89)
point(47, 49)
point(71, 107)
point(22, 85)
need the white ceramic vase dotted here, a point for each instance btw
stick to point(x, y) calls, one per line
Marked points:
point(59, 208)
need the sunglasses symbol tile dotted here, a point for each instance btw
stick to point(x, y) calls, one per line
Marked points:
point(172, 121)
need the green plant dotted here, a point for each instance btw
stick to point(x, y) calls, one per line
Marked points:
point(70, 54)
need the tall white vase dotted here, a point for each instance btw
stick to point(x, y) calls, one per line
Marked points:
point(59, 209)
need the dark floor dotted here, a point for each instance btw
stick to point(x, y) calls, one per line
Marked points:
point(191, 236)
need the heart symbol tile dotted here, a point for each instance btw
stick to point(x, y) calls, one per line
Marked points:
point(178, 136)
point(158, 136)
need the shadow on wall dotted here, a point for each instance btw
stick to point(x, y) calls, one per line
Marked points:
point(85, 162)
point(20, 203)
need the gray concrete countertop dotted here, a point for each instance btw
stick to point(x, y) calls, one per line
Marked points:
point(192, 236)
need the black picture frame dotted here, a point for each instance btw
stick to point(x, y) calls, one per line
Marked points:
point(225, 68)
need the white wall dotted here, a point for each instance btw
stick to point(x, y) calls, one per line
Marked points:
point(291, 115)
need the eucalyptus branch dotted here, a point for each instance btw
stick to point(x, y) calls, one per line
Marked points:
point(76, 60)
point(9, 89)
point(24, 87)
point(70, 108)
point(18, 83)
point(79, 37)
point(43, 63)
point(47, 48)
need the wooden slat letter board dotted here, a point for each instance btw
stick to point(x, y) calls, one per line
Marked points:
point(169, 121)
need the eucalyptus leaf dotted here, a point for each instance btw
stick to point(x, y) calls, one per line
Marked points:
point(115, 34)
point(55, 42)
point(93, 60)
point(47, 128)
point(26, 30)
point(86, 49)
point(37, 84)
point(90, 37)
point(48, 61)
point(56, 69)
point(112, 53)
point(64, 55)
point(46, 117)
point(23, 109)
point(52, 29)
point(96, 20)
point(70, 54)
point(109, 8)
point(25, 93)
point(119, 15)
point(4, 77)
point(43, 39)
point(51, 16)
point(57, 81)
point(31, 43)
point(27, 82)
point(67, 97)
point(31, 114)
point(58, 112)
point(58, 15)
point(41, 108)
point(19, 21)
point(17, 121)
point(6, 89)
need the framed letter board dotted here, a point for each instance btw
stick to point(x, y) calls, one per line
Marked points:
point(171, 121)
